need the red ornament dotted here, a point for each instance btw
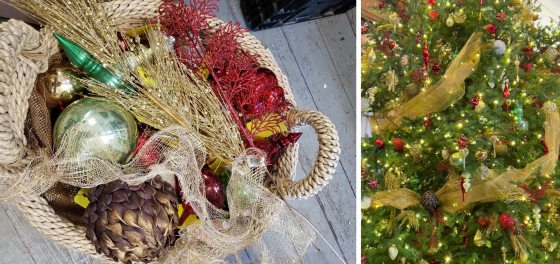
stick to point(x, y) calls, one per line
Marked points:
point(418, 76)
point(506, 95)
point(483, 221)
point(526, 66)
point(379, 143)
point(381, 5)
point(545, 147)
point(275, 145)
point(431, 2)
point(214, 190)
point(462, 141)
point(148, 157)
point(491, 29)
point(434, 15)
point(372, 184)
point(392, 44)
point(475, 100)
point(364, 28)
point(398, 144)
point(507, 222)
point(428, 122)
point(435, 69)
point(426, 55)
point(528, 51)
point(364, 259)
point(501, 16)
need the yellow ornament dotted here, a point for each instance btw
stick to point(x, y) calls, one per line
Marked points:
point(481, 155)
point(548, 243)
point(501, 148)
point(479, 239)
point(460, 17)
point(481, 106)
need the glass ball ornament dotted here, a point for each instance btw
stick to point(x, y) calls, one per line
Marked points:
point(63, 83)
point(524, 125)
point(456, 160)
point(499, 47)
point(110, 131)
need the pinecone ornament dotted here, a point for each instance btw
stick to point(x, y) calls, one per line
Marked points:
point(132, 223)
point(430, 202)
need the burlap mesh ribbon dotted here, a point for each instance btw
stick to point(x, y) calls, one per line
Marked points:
point(495, 187)
point(436, 97)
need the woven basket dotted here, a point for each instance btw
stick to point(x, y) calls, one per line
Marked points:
point(25, 52)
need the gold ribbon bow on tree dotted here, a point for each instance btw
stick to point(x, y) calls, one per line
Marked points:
point(436, 97)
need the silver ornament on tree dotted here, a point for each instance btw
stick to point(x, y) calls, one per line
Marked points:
point(499, 47)
point(106, 130)
point(393, 252)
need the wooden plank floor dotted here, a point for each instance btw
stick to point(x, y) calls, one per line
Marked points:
point(319, 59)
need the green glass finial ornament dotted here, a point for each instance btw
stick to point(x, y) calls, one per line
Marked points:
point(114, 132)
point(85, 61)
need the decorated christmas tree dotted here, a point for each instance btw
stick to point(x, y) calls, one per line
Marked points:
point(461, 163)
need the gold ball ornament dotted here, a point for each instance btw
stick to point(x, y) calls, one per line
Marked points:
point(412, 90)
point(63, 83)
point(460, 17)
point(501, 148)
point(481, 155)
point(516, 3)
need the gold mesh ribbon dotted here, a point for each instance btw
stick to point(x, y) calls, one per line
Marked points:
point(436, 97)
point(256, 216)
point(494, 188)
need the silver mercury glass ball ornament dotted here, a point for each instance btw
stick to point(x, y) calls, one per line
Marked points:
point(107, 130)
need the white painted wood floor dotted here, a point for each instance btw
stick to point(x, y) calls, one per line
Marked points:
point(319, 59)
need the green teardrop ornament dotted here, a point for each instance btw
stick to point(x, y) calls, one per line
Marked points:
point(85, 61)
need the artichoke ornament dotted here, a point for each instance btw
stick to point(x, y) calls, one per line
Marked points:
point(132, 223)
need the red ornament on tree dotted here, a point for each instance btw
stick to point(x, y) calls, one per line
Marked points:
point(462, 142)
point(501, 16)
point(392, 44)
point(528, 51)
point(526, 66)
point(379, 143)
point(426, 55)
point(491, 29)
point(364, 28)
point(475, 101)
point(398, 144)
point(434, 15)
point(431, 2)
point(428, 122)
point(435, 69)
point(507, 222)
point(483, 221)
point(372, 184)
point(381, 5)
point(506, 95)
point(545, 147)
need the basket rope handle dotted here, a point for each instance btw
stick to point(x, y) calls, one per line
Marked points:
point(325, 163)
point(24, 53)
